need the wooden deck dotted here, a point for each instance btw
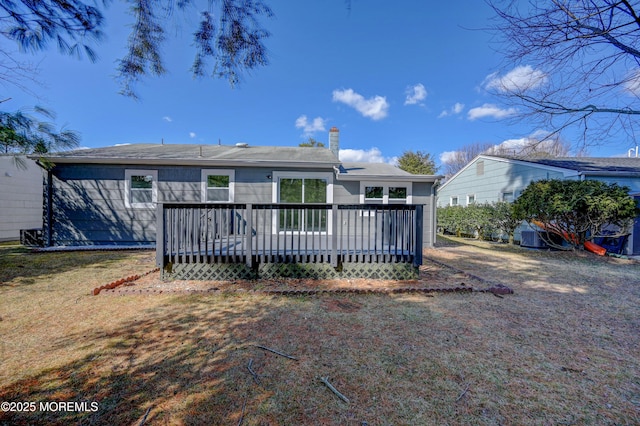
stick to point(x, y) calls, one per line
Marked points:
point(288, 233)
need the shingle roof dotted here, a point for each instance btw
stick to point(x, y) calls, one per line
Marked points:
point(380, 171)
point(355, 169)
point(199, 154)
point(590, 165)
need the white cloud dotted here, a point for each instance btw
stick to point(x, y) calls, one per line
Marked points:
point(513, 144)
point(192, 135)
point(490, 110)
point(167, 119)
point(632, 84)
point(316, 125)
point(372, 155)
point(447, 156)
point(454, 110)
point(375, 108)
point(519, 79)
point(415, 94)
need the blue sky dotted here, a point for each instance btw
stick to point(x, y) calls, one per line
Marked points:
point(392, 76)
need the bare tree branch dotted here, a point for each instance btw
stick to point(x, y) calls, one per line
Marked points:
point(585, 58)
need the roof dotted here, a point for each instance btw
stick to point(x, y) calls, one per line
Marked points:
point(627, 166)
point(569, 166)
point(379, 171)
point(203, 155)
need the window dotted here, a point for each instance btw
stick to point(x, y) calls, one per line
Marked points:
point(141, 190)
point(218, 186)
point(397, 194)
point(373, 194)
point(453, 201)
point(383, 193)
point(292, 188)
point(471, 199)
point(507, 196)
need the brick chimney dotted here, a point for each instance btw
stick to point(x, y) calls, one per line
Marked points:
point(334, 141)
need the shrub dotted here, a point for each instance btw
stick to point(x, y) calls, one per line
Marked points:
point(576, 210)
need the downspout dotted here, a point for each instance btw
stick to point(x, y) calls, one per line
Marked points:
point(49, 208)
point(48, 213)
point(434, 215)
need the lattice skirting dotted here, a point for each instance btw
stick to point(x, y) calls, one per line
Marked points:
point(231, 271)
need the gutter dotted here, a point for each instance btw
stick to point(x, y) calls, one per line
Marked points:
point(187, 162)
point(610, 173)
point(387, 178)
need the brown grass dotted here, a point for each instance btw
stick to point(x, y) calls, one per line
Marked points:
point(562, 350)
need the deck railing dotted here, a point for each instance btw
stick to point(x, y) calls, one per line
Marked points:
point(288, 233)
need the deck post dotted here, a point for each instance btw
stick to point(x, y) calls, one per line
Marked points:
point(160, 235)
point(248, 233)
point(334, 235)
point(417, 250)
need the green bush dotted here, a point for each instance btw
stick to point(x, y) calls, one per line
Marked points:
point(482, 221)
point(575, 210)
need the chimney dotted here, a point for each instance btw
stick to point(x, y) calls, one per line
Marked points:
point(334, 141)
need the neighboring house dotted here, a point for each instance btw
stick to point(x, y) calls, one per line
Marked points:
point(494, 178)
point(109, 196)
point(20, 196)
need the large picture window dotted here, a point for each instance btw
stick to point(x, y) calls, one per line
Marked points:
point(141, 188)
point(292, 188)
point(217, 186)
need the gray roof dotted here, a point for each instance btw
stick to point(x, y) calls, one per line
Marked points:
point(591, 165)
point(379, 171)
point(191, 154)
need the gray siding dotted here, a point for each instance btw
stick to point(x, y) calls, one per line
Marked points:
point(20, 197)
point(346, 192)
point(88, 201)
point(88, 208)
point(423, 194)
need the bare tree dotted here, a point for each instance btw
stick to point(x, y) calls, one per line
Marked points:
point(522, 148)
point(577, 64)
point(456, 160)
point(532, 148)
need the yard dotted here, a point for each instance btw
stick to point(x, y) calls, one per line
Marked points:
point(562, 350)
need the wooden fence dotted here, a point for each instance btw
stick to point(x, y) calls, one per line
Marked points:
point(288, 233)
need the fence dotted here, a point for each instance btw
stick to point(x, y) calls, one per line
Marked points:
point(288, 233)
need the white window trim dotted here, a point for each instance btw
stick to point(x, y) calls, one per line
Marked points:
point(385, 192)
point(127, 188)
point(218, 172)
point(451, 200)
point(275, 196)
point(504, 193)
point(474, 199)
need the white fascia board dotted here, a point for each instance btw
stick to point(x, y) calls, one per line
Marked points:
point(460, 171)
point(566, 172)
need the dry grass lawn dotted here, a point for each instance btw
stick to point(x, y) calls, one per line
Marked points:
point(564, 349)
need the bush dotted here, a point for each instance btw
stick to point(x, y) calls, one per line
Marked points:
point(483, 221)
point(576, 210)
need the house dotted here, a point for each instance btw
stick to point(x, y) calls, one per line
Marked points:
point(20, 196)
point(112, 195)
point(489, 178)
